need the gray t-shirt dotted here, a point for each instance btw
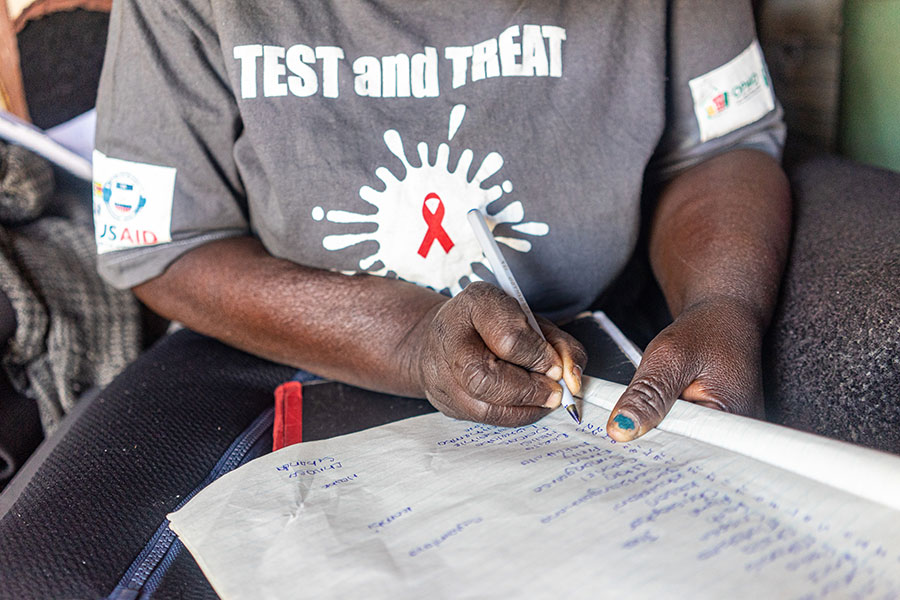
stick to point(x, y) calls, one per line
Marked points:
point(355, 135)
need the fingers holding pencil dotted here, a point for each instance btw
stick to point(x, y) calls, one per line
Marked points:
point(572, 353)
point(482, 361)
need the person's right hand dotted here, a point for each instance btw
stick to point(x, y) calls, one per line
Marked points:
point(480, 360)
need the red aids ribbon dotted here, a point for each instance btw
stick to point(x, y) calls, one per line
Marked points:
point(435, 230)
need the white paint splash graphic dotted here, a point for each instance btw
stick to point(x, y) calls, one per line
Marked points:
point(422, 232)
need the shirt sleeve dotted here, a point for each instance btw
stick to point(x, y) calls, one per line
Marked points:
point(719, 92)
point(165, 178)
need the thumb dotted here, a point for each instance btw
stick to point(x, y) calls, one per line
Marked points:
point(661, 377)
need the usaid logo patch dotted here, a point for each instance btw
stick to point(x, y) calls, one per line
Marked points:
point(123, 197)
point(132, 203)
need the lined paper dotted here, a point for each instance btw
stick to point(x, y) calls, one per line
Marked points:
point(439, 508)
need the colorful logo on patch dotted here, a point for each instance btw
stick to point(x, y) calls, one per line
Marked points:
point(717, 105)
point(123, 197)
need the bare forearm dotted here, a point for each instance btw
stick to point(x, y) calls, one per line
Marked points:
point(718, 246)
point(356, 329)
point(721, 231)
point(473, 357)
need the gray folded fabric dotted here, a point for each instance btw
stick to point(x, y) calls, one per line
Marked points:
point(73, 331)
point(26, 185)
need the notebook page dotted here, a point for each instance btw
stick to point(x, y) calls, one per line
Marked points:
point(861, 471)
point(438, 508)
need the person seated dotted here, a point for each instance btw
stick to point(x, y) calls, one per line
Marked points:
point(298, 189)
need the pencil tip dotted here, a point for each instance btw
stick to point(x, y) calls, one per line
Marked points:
point(574, 412)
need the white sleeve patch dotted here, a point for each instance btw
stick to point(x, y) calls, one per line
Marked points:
point(132, 203)
point(733, 95)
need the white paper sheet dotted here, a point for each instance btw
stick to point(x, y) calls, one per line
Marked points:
point(13, 129)
point(77, 134)
point(437, 508)
point(861, 471)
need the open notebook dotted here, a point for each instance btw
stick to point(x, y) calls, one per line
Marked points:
point(709, 505)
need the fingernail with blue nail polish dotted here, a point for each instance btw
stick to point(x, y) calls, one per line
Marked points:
point(623, 422)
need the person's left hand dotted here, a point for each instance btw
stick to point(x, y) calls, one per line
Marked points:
point(709, 355)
